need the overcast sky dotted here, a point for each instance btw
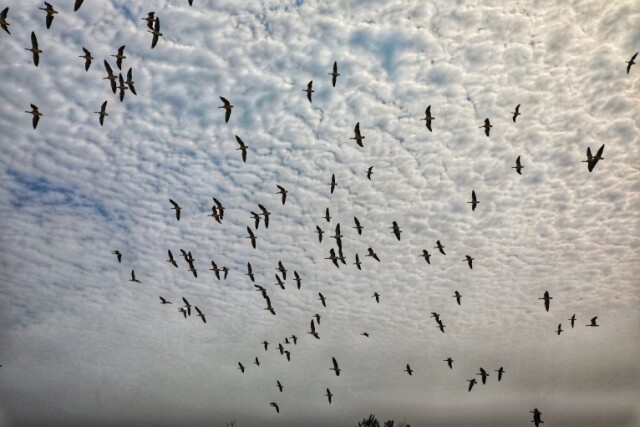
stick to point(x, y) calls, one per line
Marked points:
point(82, 345)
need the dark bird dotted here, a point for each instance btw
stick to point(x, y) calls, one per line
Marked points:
point(119, 57)
point(282, 270)
point(329, 395)
point(369, 172)
point(559, 331)
point(546, 299)
point(87, 58)
point(309, 90)
point(281, 348)
point(358, 136)
point(269, 307)
point(265, 344)
point(279, 386)
point(177, 208)
point(215, 269)
point(428, 117)
point(256, 361)
point(500, 372)
point(297, 278)
point(243, 148)
point(333, 183)
point(200, 314)
point(327, 216)
point(275, 405)
point(516, 113)
point(241, 367)
point(122, 87)
point(338, 236)
point(252, 237)
point(34, 49)
point(358, 263)
point(77, 5)
point(486, 126)
point(110, 76)
point(317, 316)
point(372, 254)
point(150, 19)
point(50, 12)
point(133, 278)
point(262, 290)
point(377, 297)
point(265, 214)
point(183, 311)
point(358, 227)
point(313, 332)
point(474, 202)
point(129, 82)
point(518, 167)
point(36, 115)
point(484, 375)
point(471, 383)
point(250, 273)
point(156, 32)
point(335, 368)
point(219, 208)
point(593, 322)
point(468, 260)
point(536, 417)
point(573, 320)
point(457, 296)
point(319, 231)
point(322, 299)
point(408, 370)
point(102, 112)
point(187, 256)
point(449, 362)
point(118, 255)
point(187, 306)
point(190, 2)
point(256, 219)
point(631, 62)
point(435, 316)
point(396, 230)
point(294, 339)
point(279, 282)
point(164, 301)
point(441, 326)
point(440, 247)
point(227, 109)
point(283, 192)
point(426, 255)
point(3, 20)
point(592, 160)
point(341, 256)
point(366, 334)
point(288, 354)
point(334, 75)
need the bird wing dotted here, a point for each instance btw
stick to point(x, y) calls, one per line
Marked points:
point(242, 145)
point(77, 5)
point(599, 153)
point(357, 130)
point(34, 41)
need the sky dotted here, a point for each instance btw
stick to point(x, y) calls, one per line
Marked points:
point(82, 345)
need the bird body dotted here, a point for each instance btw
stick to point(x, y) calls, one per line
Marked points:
point(487, 126)
point(243, 148)
point(227, 109)
point(546, 299)
point(102, 113)
point(177, 208)
point(593, 323)
point(119, 56)
point(428, 117)
point(283, 193)
point(87, 58)
point(516, 113)
point(36, 115)
point(50, 12)
point(156, 32)
point(396, 230)
point(408, 370)
point(474, 201)
point(3, 20)
point(334, 75)
point(34, 49)
point(440, 247)
point(631, 62)
point(358, 136)
point(518, 167)
point(309, 90)
point(335, 368)
point(313, 332)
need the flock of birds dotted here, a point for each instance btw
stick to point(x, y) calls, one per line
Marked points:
point(336, 255)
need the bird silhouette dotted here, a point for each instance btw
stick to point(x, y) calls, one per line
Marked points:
point(275, 405)
point(487, 126)
point(329, 396)
point(309, 90)
point(164, 301)
point(377, 297)
point(252, 237)
point(500, 371)
point(156, 32)
point(243, 148)
point(110, 76)
point(372, 254)
point(408, 370)
point(449, 362)
point(265, 213)
point(333, 183)
point(593, 322)
point(250, 272)
point(177, 208)
point(50, 12)
point(102, 113)
point(279, 386)
point(537, 417)
point(474, 202)
point(334, 75)
point(457, 296)
point(369, 172)
point(87, 58)
point(119, 57)
point(256, 361)
point(484, 375)
point(518, 167)
point(426, 255)
point(283, 193)
point(34, 49)
point(317, 316)
point(327, 216)
point(279, 282)
point(358, 136)
point(559, 330)
point(516, 113)
point(358, 263)
point(440, 247)
point(265, 345)
point(122, 87)
point(366, 334)
point(396, 230)
point(335, 368)
point(358, 227)
point(241, 367)
point(297, 279)
point(469, 261)
point(133, 277)
point(631, 62)
point(36, 115)
point(129, 82)
point(187, 306)
point(428, 117)
point(546, 299)
point(573, 320)
point(322, 299)
point(150, 20)
point(118, 255)
point(3, 20)
point(471, 382)
point(227, 109)
point(200, 314)
point(319, 231)
point(313, 332)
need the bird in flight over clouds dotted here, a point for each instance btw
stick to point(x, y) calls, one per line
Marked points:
point(408, 370)
point(118, 255)
point(334, 75)
point(164, 301)
point(110, 76)
point(396, 230)
point(3, 20)
point(243, 148)
point(50, 12)
point(282, 192)
point(319, 231)
point(471, 382)
point(487, 126)
point(428, 117)
point(333, 183)
point(156, 32)
point(547, 299)
point(484, 375)
point(369, 172)
point(631, 62)
point(122, 87)
point(252, 237)
point(516, 113)
point(329, 396)
point(265, 213)
point(120, 56)
point(500, 371)
point(468, 260)
point(358, 227)
point(457, 296)
point(358, 136)
point(129, 82)
point(200, 314)
point(518, 167)
point(449, 362)
point(440, 247)
point(102, 113)
point(335, 368)
point(474, 201)
point(313, 332)
point(34, 49)
point(573, 320)
point(227, 109)
point(593, 322)
point(426, 255)
point(275, 405)
point(150, 19)
point(133, 277)
point(309, 90)
point(36, 115)
point(177, 208)
point(87, 58)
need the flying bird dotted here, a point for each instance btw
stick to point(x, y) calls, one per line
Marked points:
point(119, 57)
point(377, 297)
point(366, 334)
point(426, 255)
point(369, 172)
point(471, 383)
point(372, 254)
point(77, 5)
point(317, 316)
point(36, 115)
point(573, 320)
point(474, 202)
point(187, 306)
point(329, 395)
point(265, 214)
point(593, 322)
point(319, 231)
point(219, 208)
point(3, 20)
point(50, 12)
point(282, 270)
point(333, 183)
point(279, 386)
point(516, 113)
point(440, 247)
point(150, 19)
point(287, 353)
point(243, 148)
point(122, 87)
point(133, 278)
point(102, 112)
point(164, 301)
point(396, 230)
point(309, 90)
point(358, 227)
point(358, 136)
point(279, 282)
point(177, 208)
point(484, 375)
point(200, 314)
point(631, 62)
point(457, 296)
point(536, 417)
point(449, 362)
point(256, 219)
point(227, 109)
point(250, 272)
point(275, 405)
point(34, 49)
point(215, 269)
point(338, 236)
point(156, 32)
point(428, 117)
point(408, 370)
point(357, 263)
point(110, 76)
point(183, 311)
point(327, 216)
point(500, 371)
point(486, 126)
point(283, 192)
point(559, 331)
point(322, 299)
point(129, 82)
point(256, 361)
point(469, 261)
point(335, 368)
point(252, 237)
point(297, 278)
point(546, 299)
point(334, 75)
point(241, 367)
point(518, 167)
point(265, 344)
point(294, 339)
point(87, 58)
point(313, 332)
point(441, 326)
point(281, 348)
point(269, 307)
point(592, 160)
point(118, 255)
